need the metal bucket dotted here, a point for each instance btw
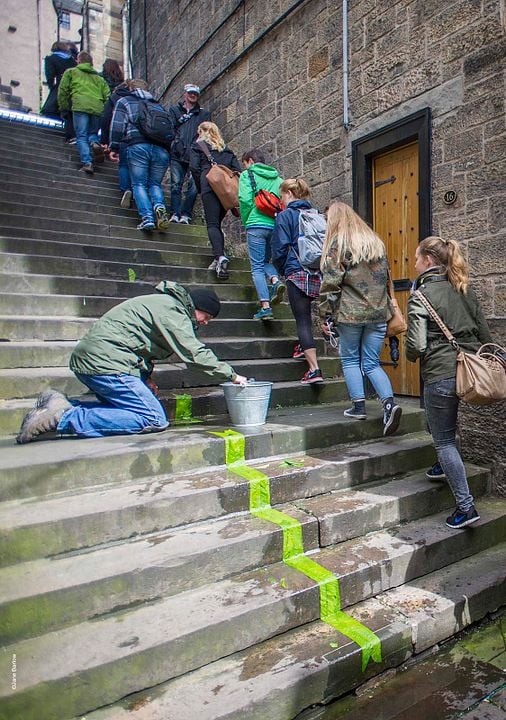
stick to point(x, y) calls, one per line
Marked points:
point(248, 405)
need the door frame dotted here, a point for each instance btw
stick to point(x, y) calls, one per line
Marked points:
point(416, 127)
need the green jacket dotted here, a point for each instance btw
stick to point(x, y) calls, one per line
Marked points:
point(462, 314)
point(128, 338)
point(83, 90)
point(266, 178)
point(354, 294)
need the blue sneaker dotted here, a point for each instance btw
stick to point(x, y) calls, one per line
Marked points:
point(276, 293)
point(146, 224)
point(461, 518)
point(436, 472)
point(263, 314)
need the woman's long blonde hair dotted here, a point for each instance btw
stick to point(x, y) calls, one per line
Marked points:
point(447, 254)
point(350, 238)
point(209, 132)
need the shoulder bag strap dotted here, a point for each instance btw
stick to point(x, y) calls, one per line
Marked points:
point(252, 181)
point(446, 332)
point(206, 151)
point(390, 283)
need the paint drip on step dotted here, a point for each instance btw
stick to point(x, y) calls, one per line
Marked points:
point(184, 412)
point(293, 550)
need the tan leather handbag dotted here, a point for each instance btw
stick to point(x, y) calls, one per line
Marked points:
point(223, 180)
point(480, 376)
point(397, 323)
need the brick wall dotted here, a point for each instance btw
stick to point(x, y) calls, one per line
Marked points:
point(285, 95)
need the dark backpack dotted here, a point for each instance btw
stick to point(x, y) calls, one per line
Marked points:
point(154, 122)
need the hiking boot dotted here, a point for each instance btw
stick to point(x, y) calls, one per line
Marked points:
point(462, 518)
point(88, 169)
point(312, 376)
point(436, 472)
point(45, 416)
point(212, 266)
point(276, 292)
point(391, 417)
point(162, 221)
point(357, 410)
point(185, 220)
point(222, 268)
point(98, 152)
point(298, 353)
point(174, 218)
point(146, 224)
point(263, 314)
point(126, 200)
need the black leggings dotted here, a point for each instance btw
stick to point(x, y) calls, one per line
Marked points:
point(301, 309)
point(214, 213)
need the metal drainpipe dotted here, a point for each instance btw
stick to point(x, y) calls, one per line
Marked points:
point(346, 108)
point(125, 13)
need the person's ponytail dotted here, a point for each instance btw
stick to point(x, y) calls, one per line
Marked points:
point(447, 254)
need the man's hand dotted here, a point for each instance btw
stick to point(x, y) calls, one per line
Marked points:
point(152, 386)
point(114, 156)
point(240, 380)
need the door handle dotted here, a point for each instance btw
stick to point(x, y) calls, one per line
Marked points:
point(402, 284)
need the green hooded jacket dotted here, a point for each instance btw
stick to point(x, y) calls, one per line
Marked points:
point(83, 90)
point(130, 336)
point(266, 178)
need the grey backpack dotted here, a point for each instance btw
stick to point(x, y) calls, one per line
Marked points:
point(312, 227)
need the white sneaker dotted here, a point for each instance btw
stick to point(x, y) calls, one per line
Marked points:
point(174, 218)
point(185, 220)
point(212, 266)
point(222, 268)
point(126, 200)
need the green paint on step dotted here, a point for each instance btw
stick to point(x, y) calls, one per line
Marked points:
point(131, 275)
point(184, 411)
point(293, 549)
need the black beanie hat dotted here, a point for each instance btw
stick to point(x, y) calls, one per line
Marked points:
point(207, 301)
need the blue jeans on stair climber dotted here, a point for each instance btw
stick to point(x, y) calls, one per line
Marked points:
point(123, 171)
point(259, 250)
point(360, 347)
point(125, 406)
point(86, 127)
point(147, 164)
point(178, 172)
point(441, 407)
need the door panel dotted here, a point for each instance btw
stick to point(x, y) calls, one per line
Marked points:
point(395, 219)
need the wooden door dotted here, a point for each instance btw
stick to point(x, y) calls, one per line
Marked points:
point(395, 219)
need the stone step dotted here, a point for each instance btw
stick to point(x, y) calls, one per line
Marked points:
point(72, 328)
point(42, 468)
point(103, 177)
point(207, 402)
point(166, 563)
point(29, 382)
point(22, 131)
point(35, 528)
point(56, 163)
point(31, 189)
point(136, 648)
point(97, 251)
point(61, 199)
point(312, 665)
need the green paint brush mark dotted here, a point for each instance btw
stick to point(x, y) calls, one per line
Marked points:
point(293, 550)
point(131, 275)
point(184, 413)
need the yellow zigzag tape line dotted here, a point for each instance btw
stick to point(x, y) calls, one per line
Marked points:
point(293, 550)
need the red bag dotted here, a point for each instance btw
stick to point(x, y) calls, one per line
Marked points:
point(266, 202)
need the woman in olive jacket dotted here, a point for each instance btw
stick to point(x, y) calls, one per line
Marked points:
point(444, 281)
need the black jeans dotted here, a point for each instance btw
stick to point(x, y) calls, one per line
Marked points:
point(214, 213)
point(301, 309)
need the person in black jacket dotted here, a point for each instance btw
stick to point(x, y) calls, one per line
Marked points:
point(186, 118)
point(214, 211)
point(54, 67)
point(125, 183)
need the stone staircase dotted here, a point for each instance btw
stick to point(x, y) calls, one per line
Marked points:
point(138, 578)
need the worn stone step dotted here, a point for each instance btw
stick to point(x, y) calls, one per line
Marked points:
point(64, 171)
point(41, 468)
point(312, 665)
point(29, 382)
point(166, 563)
point(31, 188)
point(67, 163)
point(61, 199)
point(35, 528)
point(41, 264)
point(72, 328)
point(207, 401)
point(138, 648)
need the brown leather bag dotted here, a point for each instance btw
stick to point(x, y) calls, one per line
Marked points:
point(223, 180)
point(397, 323)
point(480, 377)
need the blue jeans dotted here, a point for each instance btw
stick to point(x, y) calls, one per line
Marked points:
point(360, 347)
point(126, 406)
point(441, 408)
point(86, 127)
point(178, 172)
point(147, 164)
point(259, 249)
point(123, 171)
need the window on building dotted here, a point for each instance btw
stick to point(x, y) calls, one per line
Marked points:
point(65, 20)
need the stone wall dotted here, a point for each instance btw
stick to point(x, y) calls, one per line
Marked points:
point(272, 75)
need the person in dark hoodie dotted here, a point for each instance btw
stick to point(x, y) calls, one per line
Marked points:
point(186, 118)
point(125, 183)
point(209, 134)
point(55, 65)
point(83, 91)
point(147, 161)
point(259, 228)
point(115, 361)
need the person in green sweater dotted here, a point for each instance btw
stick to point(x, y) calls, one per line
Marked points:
point(115, 361)
point(259, 228)
point(83, 91)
